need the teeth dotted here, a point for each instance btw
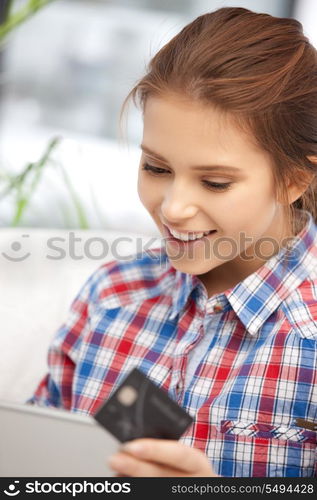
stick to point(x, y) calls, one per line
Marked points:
point(188, 236)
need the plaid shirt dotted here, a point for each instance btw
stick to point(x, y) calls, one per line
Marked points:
point(257, 377)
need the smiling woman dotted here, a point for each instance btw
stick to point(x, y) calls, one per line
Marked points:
point(258, 88)
point(224, 316)
point(217, 197)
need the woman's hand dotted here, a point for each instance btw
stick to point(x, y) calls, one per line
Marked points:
point(160, 458)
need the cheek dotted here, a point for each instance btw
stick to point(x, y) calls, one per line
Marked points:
point(147, 194)
point(249, 206)
point(141, 189)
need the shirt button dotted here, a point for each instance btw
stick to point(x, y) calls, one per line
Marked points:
point(217, 308)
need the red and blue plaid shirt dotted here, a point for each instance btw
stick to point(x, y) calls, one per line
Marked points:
point(257, 377)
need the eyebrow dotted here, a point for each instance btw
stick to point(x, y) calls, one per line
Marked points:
point(210, 168)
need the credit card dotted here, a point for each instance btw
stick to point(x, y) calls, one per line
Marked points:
point(139, 409)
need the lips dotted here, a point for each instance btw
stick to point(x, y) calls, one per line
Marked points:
point(188, 232)
point(168, 234)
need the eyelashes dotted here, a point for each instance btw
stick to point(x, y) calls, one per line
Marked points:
point(218, 186)
point(157, 171)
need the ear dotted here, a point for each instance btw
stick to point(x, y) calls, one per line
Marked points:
point(298, 188)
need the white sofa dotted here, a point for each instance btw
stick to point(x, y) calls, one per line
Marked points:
point(36, 291)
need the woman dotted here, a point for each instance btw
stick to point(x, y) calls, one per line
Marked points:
point(224, 319)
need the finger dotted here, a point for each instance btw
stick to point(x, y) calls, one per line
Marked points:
point(168, 453)
point(127, 466)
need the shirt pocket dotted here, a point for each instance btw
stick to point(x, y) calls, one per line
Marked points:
point(265, 450)
point(260, 430)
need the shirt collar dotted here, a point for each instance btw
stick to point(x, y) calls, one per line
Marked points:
point(256, 297)
point(184, 285)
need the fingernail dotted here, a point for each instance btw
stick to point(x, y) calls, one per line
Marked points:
point(116, 462)
point(137, 448)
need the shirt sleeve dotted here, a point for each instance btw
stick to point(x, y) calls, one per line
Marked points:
point(55, 389)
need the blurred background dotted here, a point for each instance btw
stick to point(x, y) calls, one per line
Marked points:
point(65, 69)
point(66, 174)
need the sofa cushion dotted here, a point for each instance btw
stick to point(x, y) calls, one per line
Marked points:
point(41, 271)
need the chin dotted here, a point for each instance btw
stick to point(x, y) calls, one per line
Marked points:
point(190, 266)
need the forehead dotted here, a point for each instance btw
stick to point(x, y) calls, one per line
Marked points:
point(176, 122)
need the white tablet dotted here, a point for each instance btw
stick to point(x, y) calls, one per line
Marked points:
point(37, 441)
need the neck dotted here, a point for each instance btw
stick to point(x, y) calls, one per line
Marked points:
point(229, 274)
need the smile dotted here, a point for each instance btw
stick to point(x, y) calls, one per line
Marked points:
point(188, 236)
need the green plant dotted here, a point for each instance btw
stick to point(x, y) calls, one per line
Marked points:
point(14, 18)
point(21, 187)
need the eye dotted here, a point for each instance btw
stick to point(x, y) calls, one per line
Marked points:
point(154, 170)
point(210, 185)
point(217, 186)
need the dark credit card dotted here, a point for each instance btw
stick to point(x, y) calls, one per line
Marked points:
point(140, 409)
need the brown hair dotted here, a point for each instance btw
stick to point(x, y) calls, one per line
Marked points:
point(260, 69)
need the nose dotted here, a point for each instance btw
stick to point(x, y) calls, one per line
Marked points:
point(178, 204)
